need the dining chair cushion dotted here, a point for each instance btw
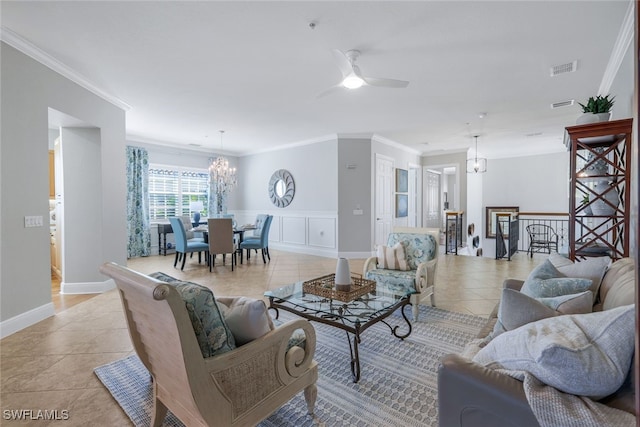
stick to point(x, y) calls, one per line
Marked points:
point(213, 335)
point(247, 318)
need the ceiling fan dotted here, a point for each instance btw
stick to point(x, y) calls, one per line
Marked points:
point(352, 78)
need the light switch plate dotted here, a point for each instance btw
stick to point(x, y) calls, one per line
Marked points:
point(33, 221)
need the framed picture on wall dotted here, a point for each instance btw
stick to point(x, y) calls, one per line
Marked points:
point(402, 181)
point(402, 205)
point(490, 218)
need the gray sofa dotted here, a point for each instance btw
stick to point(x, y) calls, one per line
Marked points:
point(471, 395)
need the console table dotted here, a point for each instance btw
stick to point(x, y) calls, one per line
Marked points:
point(163, 230)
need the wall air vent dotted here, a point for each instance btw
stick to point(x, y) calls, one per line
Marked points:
point(563, 104)
point(569, 67)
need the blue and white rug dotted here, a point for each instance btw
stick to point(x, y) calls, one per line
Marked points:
point(397, 387)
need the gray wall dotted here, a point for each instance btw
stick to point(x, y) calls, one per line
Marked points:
point(314, 170)
point(354, 192)
point(28, 90)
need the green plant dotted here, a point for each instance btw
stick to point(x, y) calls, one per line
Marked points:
point(599, 104)
point(585, 199)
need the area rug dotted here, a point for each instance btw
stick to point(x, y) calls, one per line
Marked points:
point(398, 384)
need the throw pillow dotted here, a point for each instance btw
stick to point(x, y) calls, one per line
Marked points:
point(591, 268)
point(517, 309)
point(581, 354)
point(212, 333)
point(247, 318)
point(546, 281)
point(392, 258)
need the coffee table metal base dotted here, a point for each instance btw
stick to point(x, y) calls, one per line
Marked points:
point(357, 330)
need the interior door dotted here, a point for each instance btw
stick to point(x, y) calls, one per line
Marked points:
point(384, 199)
point(432, 199)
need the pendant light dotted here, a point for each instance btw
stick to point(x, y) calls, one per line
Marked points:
point(476, 164)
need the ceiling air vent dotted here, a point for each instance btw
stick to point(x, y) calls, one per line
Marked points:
point(569, 67)
point(563, 104)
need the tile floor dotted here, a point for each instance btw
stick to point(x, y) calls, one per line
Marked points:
point(49, 366)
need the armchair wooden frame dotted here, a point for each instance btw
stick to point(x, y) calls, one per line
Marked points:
point(237, 388)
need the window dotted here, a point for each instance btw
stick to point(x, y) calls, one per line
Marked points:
point(172, 190)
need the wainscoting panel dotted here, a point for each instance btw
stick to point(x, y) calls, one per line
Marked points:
point(294, 230)
point(322, 232)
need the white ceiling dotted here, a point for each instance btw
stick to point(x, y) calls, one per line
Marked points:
point(254, 69)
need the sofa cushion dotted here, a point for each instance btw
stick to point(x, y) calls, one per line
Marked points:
point(247, 318)
point(582, 354)
point(213, 335)
point(392, 258)
point(418, 247)
point(517, 309)
point(591, 268)
point(623, 293)
point(615, 271)
point(395, 280)
point(546, 281)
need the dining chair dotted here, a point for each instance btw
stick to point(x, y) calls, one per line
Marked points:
point(221, 240)
point(184, 246)
point(261, 242)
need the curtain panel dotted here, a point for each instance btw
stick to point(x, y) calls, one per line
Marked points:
point(138, 228)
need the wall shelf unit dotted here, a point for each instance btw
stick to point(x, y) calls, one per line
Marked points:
point(600, 162)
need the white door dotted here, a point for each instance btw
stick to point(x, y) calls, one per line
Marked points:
point(414, 184)
point(432, 199)
point(384, 199)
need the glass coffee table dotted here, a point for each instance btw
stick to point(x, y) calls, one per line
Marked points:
point(353, 316)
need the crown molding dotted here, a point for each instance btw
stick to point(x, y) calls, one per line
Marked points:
point(323, 138)
point(14, 40)
point(625, 36)
point(387, 141)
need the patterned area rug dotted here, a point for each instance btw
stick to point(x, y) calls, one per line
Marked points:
point(398, 384)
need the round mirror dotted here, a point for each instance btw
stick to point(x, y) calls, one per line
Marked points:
point(281, 188)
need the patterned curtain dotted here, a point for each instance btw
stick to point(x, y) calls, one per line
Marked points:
point(139, 238)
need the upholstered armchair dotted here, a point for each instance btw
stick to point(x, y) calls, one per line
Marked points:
point(201, 374)
point(420, 247)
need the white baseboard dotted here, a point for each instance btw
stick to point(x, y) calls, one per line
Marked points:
point(87, 287)
point(308, 250)
point(356, 255)
point(26, 319)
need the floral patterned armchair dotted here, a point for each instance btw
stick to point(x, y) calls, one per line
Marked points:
point(421, 252)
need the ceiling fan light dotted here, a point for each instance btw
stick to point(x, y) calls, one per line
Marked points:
point(352, 82)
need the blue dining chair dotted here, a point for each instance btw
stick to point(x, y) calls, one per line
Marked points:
point(184, 246)
point(258, 242)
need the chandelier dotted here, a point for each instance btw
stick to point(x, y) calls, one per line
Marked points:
point(222, 176)
point(477, 164)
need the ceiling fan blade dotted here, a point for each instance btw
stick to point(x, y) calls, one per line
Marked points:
point(343, 62)
point(331, 90)
point(375, 81)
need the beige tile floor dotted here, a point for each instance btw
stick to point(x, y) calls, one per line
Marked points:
point(49, 366)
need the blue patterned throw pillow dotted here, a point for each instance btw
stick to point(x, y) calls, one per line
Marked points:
point(545, 281)
point(212, 333)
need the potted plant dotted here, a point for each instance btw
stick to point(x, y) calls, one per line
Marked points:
point(596, 109)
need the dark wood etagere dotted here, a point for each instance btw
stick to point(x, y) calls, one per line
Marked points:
point(600, 163)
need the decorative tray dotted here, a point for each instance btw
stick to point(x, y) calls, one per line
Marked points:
point(325, 287)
